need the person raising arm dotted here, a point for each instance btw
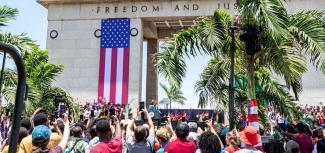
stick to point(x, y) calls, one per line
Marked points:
point(142, 138)
point(66, 134)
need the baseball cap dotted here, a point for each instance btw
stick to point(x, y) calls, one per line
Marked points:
point(41, 132)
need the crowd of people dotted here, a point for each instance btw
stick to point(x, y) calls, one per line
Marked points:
point(305, 135)
point(107, 130)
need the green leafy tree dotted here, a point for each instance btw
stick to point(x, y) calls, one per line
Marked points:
point(174, 94)
point(39, 75)
point(284, 43)
point(39, 72)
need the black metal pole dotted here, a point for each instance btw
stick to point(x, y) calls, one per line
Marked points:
point(2, 70)
point(231, 81)
point(19, 100)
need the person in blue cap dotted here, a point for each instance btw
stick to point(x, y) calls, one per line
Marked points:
point(41, 136)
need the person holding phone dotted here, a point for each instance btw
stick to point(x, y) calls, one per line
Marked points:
point(111, 112)
point(141, 105)
point(140, 139)
point(92, 113)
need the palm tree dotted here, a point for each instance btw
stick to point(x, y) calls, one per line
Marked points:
point(213, 87)
point(282, 44)
point(174, 94)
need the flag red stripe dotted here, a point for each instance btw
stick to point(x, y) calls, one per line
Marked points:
point(252, 117)
point(101, 73)
point(125, 76)
point(112, 93)
point(252, 102)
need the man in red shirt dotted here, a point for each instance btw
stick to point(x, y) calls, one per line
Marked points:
point(107, 143)
point(304, 141)
point(181, 145)
point(322, 119)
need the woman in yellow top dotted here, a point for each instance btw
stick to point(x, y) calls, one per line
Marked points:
point(23, 132)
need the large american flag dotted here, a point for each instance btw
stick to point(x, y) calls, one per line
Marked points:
point(114, 61)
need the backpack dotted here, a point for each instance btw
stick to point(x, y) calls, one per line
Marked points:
point(321, 145)
point(151, 148)
point(70, 150)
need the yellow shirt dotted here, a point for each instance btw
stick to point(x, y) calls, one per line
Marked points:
point(6, 149)
point(26, 145)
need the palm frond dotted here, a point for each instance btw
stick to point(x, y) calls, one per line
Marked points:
point(44, 74)
point(38, 68)
point(24, 43)
point(207, 37)
point(164, 87)
point(276, 94)
point(170, 65)
point(7, 13)
point(270, 15)
point(9, 87)
point(296, 86)
point(212, 82)
point(285, 60)
point(308, 30)
point(214, 31)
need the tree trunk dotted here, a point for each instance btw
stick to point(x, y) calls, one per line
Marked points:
point(251, 80)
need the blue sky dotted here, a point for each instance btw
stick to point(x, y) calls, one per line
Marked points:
point(32, 20)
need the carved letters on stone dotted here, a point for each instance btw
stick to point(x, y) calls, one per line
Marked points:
point(145, 8)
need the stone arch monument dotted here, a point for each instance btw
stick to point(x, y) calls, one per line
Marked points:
point(73, 36)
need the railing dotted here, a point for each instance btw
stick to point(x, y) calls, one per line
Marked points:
point(20, 93)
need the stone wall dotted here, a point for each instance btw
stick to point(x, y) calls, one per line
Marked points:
point(78, 49)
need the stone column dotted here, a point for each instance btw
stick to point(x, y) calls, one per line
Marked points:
point(152, 75)
point(135, 63)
